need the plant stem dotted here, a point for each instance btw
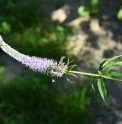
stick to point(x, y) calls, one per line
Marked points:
point(89, 74)
point(95, 75)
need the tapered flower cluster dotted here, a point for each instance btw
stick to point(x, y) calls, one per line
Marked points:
point(43, 65)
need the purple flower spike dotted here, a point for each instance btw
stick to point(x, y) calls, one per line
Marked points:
point(43, 65)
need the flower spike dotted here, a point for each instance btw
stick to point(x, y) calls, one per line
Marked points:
point(43, 65)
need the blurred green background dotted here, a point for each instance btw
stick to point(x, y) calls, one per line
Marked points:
point(31, 98)
point(26, 25)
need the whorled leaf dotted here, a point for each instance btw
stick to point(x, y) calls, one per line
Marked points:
point(107, 61)
point(102, 64)
point(111, 65)
point(102, 90)
point(92, 85)
point(111, 74)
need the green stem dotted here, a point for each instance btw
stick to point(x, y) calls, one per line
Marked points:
point(95, 75)
point(111, 78)
point(89, 74)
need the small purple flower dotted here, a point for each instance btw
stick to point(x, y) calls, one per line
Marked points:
point(43, 65)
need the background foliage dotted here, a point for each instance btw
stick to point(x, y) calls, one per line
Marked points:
point(31, 98)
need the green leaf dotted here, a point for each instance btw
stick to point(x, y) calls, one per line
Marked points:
point(107, 61)
point(102, 90)
point(69, 73)
point(111, 74)
point(102, 64)
point(60, 28)
point(68, 61)
point(119, 14)
point(94, 2)
point(68, 79)
point(83, 10)
point(94, 6)
point(93, 87)
point(111, 65)
point(94, 9)
point(71, 67)
point(111, 59)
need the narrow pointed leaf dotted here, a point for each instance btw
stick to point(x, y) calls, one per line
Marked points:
point(68, 61)
point(111, 64)
point(69, 73)
point(71, 67)
point(68, 79)
point(102, 90)
point(101, 65)
point(93, 87)
point(111, 59)
point(107, 61)
point(111, 74)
